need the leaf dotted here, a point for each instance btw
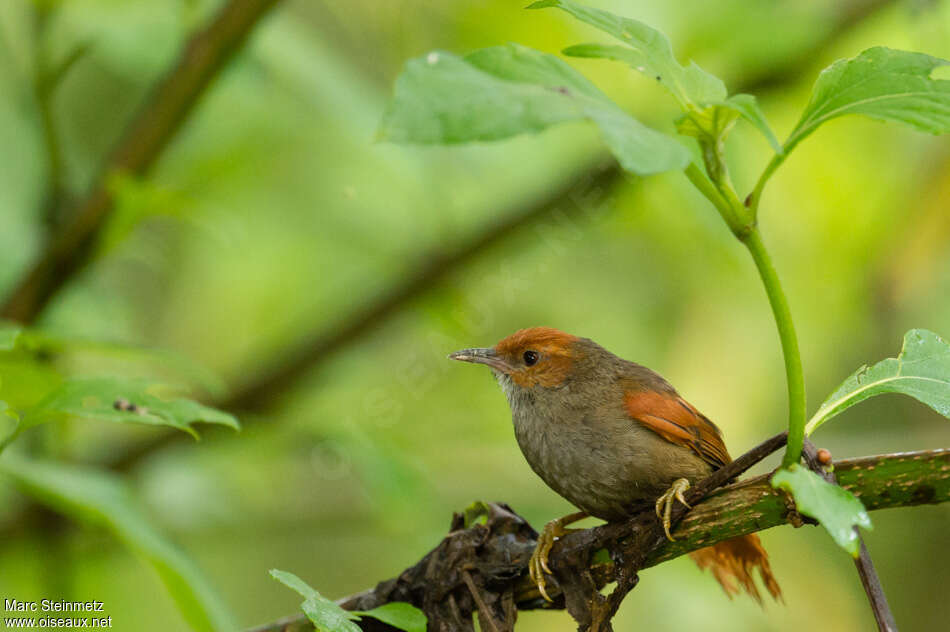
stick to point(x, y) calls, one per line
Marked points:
point(399, 614)
point(475, 512)
point(922, 370)
point(123, 401)
point(883, 83)
point(323, 613)
point(103, 500)
point(748, 107)
point(837, 509)
point(710, 125)
point(328, 616)
point(504, 91)
point(8, 335)
point(650, 52)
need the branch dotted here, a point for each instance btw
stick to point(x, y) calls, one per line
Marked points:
point(581, 194)
point(865, 566)
point(881, 482)
point(142, 143)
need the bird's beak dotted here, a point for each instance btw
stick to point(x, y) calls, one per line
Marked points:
point(481, 356)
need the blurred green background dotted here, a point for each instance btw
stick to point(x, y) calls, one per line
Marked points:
point(273, 217)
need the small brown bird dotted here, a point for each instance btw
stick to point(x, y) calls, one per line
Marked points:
point(610, 435)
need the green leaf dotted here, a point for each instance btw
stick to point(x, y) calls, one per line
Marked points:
point(837, 509)
point(504, 91)
point(103, 500)
point(399, 614)
point(883, 83)
point(922, 370)
point(748, 107)
point(325, 615)
point(8, 335)
point(475, 513)
point(122, 401)
point(650, 52)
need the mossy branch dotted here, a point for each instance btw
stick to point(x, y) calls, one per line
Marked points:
point(881, 482)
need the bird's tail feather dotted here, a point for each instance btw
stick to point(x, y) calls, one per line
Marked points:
point(733, 562)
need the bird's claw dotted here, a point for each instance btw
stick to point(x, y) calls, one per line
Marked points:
point(538, 564)
point(664, 504)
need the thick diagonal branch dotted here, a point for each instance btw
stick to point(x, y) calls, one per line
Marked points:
point(142, 143)
point(881, 482)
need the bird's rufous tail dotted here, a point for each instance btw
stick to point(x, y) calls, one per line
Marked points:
point(733, 561)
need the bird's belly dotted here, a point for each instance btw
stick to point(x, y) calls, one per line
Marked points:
point(610, 468)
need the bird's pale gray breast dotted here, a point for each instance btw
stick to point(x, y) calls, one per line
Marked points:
point(595, 455)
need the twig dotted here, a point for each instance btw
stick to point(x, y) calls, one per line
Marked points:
point(865, 566)
point(484, 613)
point(881, 482)
point(143, 141)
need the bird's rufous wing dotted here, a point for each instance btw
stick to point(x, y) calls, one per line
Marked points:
point(674, 419)
point(734, 561)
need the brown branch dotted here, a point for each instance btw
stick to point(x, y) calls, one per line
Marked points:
point(142, 143)
point(865, 566)
point(579, 194)
point(501, 548)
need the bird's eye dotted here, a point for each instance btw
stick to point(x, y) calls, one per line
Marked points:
point(530, 357)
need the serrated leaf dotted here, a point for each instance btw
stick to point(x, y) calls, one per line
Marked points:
point(921, 370)
point(883, 83)
point(123, 401)
point(504, 91)
point(837, 509)
point(103, 500)
point(325, 615)
point(9, 333)
point(399, 614)
point(649, 52)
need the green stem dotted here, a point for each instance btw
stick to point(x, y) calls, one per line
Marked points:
point(742, 221)
point(786, 332)
point(712, 193)
point(756, 195)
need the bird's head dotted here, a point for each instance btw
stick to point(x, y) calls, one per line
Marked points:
point(540, 356)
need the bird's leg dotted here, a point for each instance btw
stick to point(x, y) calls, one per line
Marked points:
point(664, 504)
point(538, 565)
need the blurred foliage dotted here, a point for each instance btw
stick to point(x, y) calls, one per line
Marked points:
point(101, 500)
point(274, 215)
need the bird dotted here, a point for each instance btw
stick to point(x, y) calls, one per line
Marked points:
point(612, 437)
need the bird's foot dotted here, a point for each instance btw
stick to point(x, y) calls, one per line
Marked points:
point(664, 504)
point(538, 564)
